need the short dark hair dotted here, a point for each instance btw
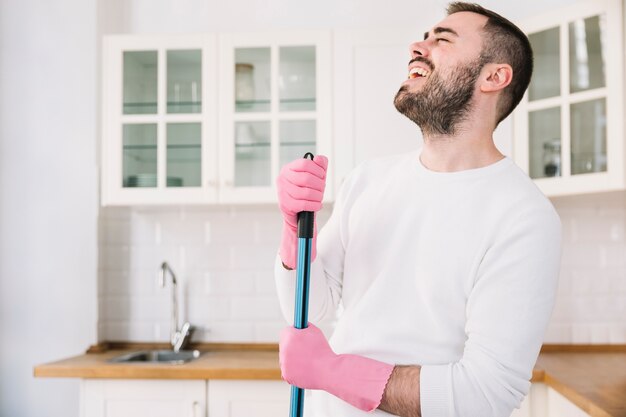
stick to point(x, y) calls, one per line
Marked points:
point(504, 43)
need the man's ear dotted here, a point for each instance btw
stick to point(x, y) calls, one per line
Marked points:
point(496, 77)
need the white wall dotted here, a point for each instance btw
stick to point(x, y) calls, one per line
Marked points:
point(48, 198)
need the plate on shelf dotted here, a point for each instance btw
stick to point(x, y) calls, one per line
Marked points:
point(150, 180)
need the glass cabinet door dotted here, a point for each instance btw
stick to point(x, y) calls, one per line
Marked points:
point(567, 99)
point(139, 155)
point(184, 81)
point(587, 38)
point(274, 101)
point(163, 87)
point(184, 150)
point(140, 82)
point(252, 80)
point(296, 78)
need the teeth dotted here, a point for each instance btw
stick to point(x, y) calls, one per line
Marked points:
point(414, 72)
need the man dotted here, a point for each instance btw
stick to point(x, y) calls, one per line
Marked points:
point(445, 260)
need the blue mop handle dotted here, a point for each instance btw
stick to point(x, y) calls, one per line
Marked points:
point(303, 269)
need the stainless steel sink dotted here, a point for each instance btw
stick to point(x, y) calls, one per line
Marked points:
point(157, 356)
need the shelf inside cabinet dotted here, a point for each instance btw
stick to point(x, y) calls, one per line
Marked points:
point(247, 104)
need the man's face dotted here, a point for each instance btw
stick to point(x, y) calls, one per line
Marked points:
point(442, 75)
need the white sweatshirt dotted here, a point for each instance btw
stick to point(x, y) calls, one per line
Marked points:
point(456, 272)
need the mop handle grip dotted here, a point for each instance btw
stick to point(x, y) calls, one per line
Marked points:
point(306, 218)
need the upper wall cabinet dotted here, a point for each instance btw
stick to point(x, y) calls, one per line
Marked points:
point(278, 110)
point(205, 119)
point(569, 126)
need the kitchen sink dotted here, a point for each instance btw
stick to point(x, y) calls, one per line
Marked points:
point(157, 356)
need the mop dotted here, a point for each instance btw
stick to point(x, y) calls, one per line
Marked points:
point(303, 268)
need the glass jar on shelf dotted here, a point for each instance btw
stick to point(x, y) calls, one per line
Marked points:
point(552, 158)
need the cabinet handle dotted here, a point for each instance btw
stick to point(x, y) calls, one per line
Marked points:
point(212, 183)
point(228, 183)
point(194, 407)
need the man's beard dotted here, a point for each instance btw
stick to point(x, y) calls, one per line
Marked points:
point(441, 105)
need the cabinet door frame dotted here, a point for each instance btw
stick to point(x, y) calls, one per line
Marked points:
point(113, 193)
point(95, 394)
point(227, 116)
point(222, 394)
point(615, 176)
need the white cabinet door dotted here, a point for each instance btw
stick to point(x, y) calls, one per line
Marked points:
point(164, 141)
point(275, 90)
point(369, 67)
point(569, 125)
point(143, 398)
point(559, 406)
point(159, 119)
point(543, 401)
point(248, 398)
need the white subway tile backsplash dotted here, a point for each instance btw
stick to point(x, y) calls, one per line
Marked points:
point(613, 255)
point(268, 332)
point(581, 333)
point(186, 232)
point(208, 257)
point(250, 254)
point(617, 334)
point(589, 281)
point(115, 231)
point(562, 308)
point(124, 281)
point(255, 308)
point(582, 254)
point(207, 310)
point(230, 282)
point(558, 333)
point(224, 271)
point(132, 331)
point(617, 280)
point(224, 260)
point(264, 281)
point(229, 331)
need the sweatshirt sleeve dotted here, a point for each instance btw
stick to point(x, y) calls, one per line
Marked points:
point(507, 311)
point(326, 270)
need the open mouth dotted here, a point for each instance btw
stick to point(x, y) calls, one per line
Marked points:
point(418, 72)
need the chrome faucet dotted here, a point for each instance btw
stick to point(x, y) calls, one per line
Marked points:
point(178, 337)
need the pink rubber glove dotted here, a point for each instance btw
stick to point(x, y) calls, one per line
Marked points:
point(307, 361)
point(300, 186)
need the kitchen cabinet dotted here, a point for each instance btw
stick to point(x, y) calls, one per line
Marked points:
point(568, 129)
point(369, 67)
point(209, 119)
point(132, 398)
point(159, 141)
point(544, 401)
point(175, 397)
point(559, 406)
point(239, 398)
point(274, 107)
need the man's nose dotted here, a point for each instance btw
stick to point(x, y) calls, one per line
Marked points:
point(417, 49)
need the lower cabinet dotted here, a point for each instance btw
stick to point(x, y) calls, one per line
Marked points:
point(543, 401)
point(183, 398)
point(248, 398)
point(243, 398)
point(143, 397)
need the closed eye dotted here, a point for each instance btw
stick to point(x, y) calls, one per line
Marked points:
point(441, 40)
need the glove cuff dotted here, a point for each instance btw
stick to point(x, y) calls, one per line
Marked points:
point(359, 380)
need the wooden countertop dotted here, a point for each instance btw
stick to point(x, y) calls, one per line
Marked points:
point(592, 377)
point(215, 362)
point(594, 381)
